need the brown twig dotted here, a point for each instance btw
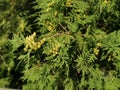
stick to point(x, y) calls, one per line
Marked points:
point(63, 27)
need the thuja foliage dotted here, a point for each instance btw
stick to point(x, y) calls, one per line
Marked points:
point(60, 44)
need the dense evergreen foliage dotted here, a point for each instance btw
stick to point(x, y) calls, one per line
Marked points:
point(60, 44)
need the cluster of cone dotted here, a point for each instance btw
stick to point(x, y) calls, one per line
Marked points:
point(31, 44)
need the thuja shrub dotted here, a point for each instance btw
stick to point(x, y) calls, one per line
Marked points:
point(63, 45)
